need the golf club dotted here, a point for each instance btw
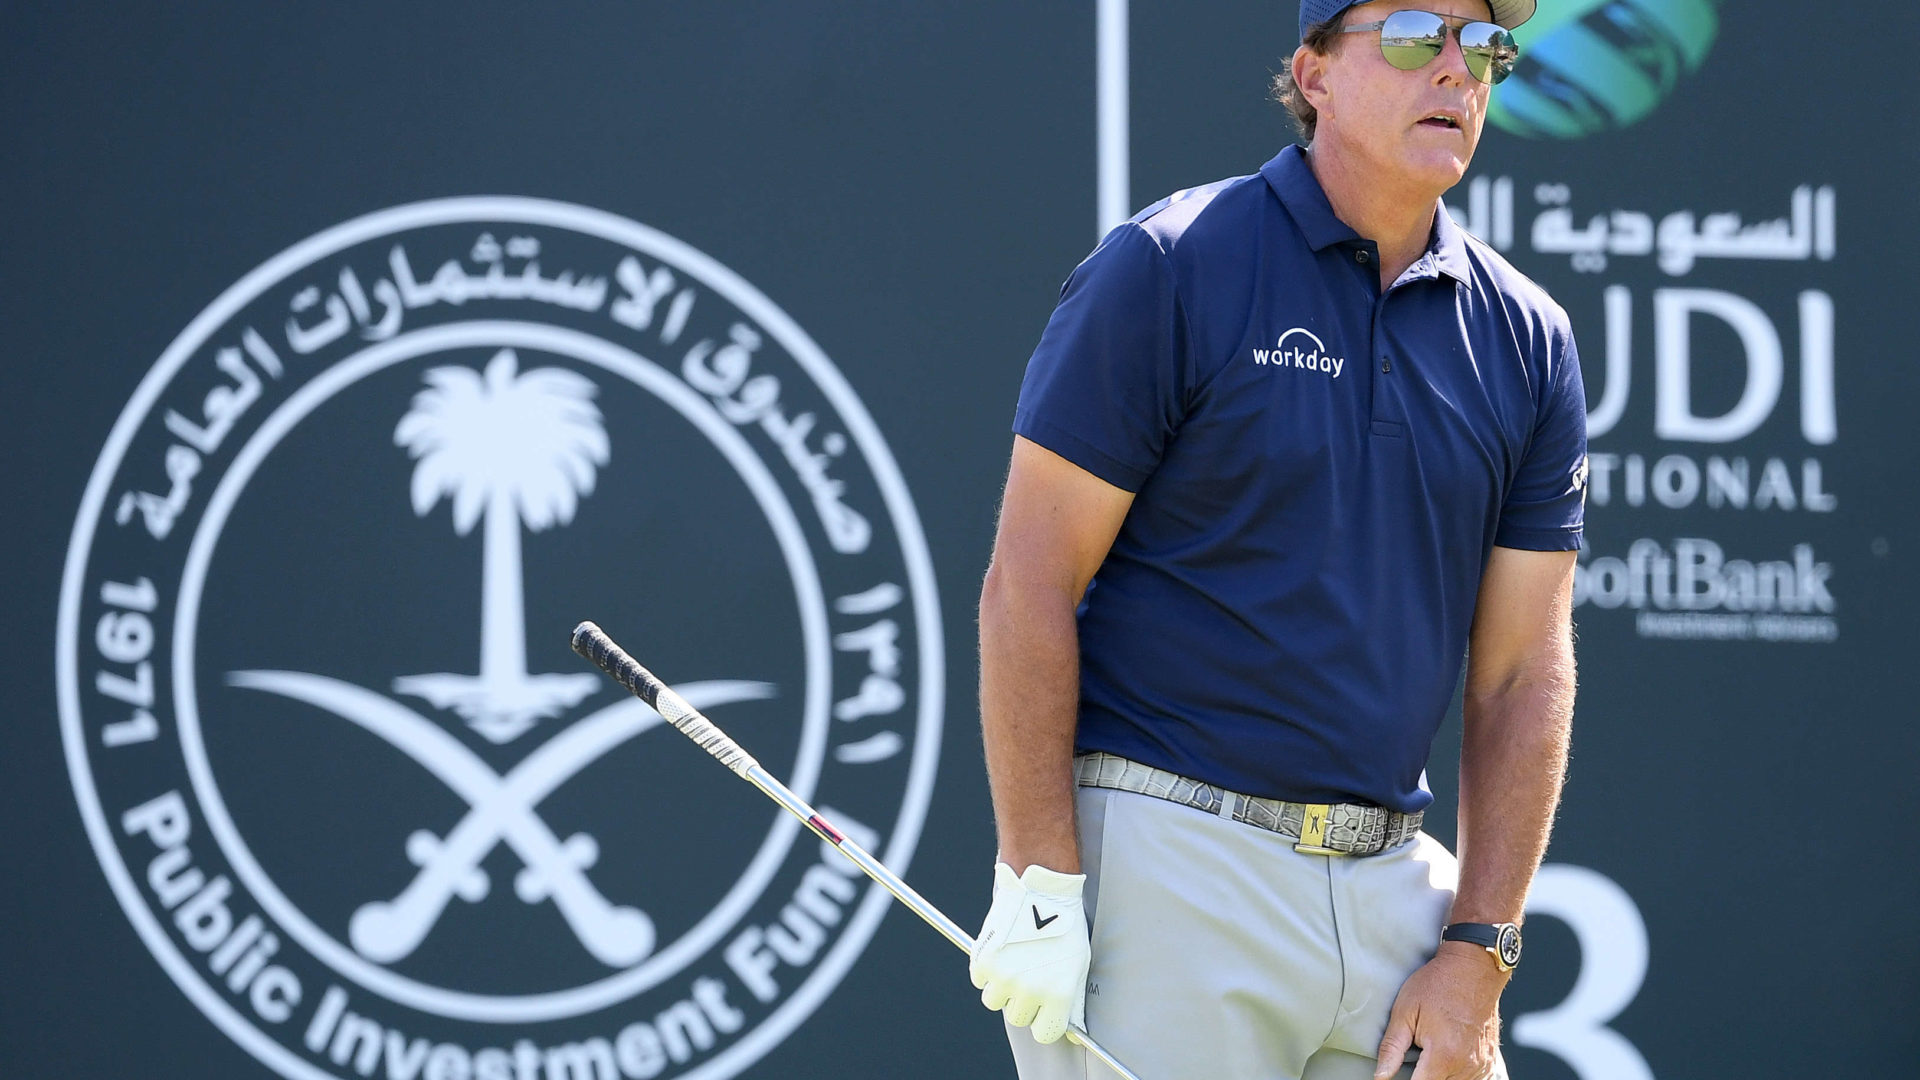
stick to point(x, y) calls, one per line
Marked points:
point(593, 643)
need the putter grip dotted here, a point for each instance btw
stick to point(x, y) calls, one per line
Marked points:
point(593, 643)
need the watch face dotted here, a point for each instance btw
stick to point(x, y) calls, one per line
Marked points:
point(1509, 945)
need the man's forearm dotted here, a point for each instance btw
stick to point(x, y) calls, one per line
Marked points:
point(1029, 699)
point(1513, 761)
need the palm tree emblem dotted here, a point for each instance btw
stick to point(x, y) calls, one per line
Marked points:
point(515, 450)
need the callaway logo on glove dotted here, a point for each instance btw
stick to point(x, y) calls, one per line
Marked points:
point(1031, 956)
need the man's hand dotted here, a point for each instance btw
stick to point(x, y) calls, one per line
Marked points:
point(1450, 1009)
point(1032, 953)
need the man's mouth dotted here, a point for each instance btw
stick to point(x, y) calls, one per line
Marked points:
point(1442, 120)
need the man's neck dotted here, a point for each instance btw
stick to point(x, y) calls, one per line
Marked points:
point(1396, 217)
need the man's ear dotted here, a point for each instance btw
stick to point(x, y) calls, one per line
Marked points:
point(1310, 75)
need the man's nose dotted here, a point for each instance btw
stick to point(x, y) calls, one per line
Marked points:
point(1450, 67)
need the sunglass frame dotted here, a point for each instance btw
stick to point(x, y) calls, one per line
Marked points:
point(1428, 40)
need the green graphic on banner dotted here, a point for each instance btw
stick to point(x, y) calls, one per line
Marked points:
point(1588, 66)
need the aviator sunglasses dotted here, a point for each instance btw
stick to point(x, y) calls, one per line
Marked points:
point(1411, 39)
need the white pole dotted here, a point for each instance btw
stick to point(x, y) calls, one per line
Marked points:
point(1115, 202)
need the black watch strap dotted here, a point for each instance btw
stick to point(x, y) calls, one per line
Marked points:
point(1485, 935)
point(1500, 939)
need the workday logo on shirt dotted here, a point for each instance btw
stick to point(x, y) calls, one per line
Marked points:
point(1300, 348)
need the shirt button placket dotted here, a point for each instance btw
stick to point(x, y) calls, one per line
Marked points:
point(1377, 406)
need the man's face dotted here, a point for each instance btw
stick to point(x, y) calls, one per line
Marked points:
point(1419, 126)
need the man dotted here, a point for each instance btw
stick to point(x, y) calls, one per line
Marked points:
point(1292, 450)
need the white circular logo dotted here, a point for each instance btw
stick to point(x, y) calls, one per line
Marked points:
point(343, 772)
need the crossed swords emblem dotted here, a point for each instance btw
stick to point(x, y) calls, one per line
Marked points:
point(500, 809)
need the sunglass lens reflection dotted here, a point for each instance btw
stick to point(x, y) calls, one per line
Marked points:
point(1411, 39)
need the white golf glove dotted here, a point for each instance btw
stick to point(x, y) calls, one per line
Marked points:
point(1032, 953)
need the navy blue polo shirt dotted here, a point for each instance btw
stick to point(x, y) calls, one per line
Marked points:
point(1321, 471)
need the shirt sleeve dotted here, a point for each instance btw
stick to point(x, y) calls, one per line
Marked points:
point(1106, 387)
point(1545, 508)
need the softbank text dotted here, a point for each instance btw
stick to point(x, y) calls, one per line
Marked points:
point(1695, 591)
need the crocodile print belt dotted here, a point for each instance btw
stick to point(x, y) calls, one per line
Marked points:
point(1318, 828)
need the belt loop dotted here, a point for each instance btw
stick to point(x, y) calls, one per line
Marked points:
point(1226, 804)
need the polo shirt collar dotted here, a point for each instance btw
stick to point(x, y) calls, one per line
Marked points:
point(1449, 248)
point(1292, 180)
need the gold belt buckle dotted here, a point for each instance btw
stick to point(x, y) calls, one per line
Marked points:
point(1313, 831)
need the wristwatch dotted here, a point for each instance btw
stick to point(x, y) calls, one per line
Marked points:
point(1500, 939)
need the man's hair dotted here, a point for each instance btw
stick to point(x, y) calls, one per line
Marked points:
point(1320, 37)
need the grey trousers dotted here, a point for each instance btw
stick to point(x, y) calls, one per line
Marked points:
point(1219, 952)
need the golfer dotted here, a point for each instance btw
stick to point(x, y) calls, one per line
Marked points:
point(1293, 450)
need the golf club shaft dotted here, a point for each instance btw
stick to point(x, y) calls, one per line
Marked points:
point(594, 644)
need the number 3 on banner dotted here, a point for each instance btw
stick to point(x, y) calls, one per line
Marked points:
point(1613, 964)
